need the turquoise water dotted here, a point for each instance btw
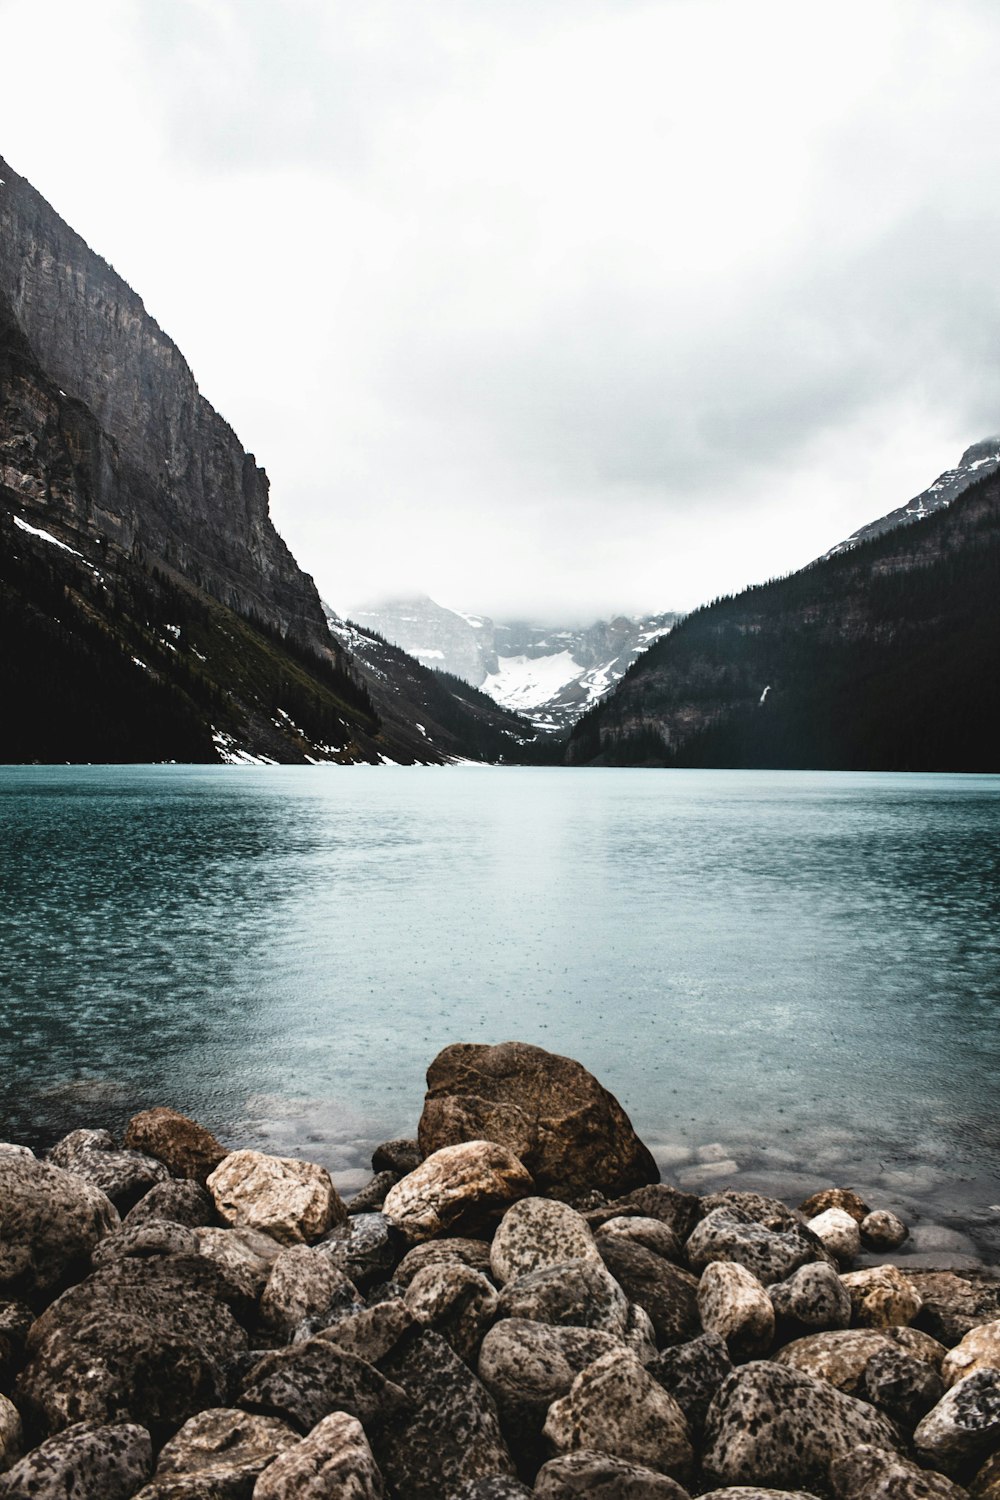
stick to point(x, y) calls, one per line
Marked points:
point(795, 973)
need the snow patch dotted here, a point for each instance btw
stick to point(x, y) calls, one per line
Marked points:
point(524, 682)
point(45, 536)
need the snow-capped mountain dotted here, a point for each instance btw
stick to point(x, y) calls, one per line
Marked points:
point(977, 462)
point(551, 675)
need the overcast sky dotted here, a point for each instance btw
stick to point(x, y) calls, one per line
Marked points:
point(548, 307)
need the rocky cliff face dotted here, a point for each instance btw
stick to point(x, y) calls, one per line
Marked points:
point(193, 499)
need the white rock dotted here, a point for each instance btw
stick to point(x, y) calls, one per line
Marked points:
point(539, 1232)
point(292, 1201)
point(979, 1348)
point(11, 1435)
point(839, 1232)
point(733, 1304)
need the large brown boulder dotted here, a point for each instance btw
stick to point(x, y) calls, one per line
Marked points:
point(184, 1146)
point(572, 1135)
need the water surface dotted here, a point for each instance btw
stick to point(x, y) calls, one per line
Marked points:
point(799, 969)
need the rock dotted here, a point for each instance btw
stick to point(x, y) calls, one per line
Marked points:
point(839, 1356)
point(306, 1382)
point(457, 1302)
point(15, 1320)
point(186, 1148)
point(494, 1487)
point(842, 1198)
point(754, 1492)
point(372, 1332)
point(814, 1297)
point(985, 1485)
point(372, 1195)
point(839, 1232)
point(692, 1373)
point(87, 1461)
point(965, 1423)
point(881, 1297)
point(868, 1473)
point(678, 1211)
point(901, 1385)
point(50, 1221)
point(399, 1156)
point(11, 1434)
point(615, 1406)
point(775, 1426)
point(920, 1344)
point(581, 1294)
point(466, 1252)
point(652, 1234)
point(640, 1335)
point(599, 1476)
point(176, 1202)
point(244, 1255)
point(881, 1230)
point(452, 1435)
point(124, 1176)
point(223, 1449)
point(526, 1366)
point(755, 1208)
point(366, 1248)
point(292, 1201)
point(303, 1283)
point(979, 1347)
point(537, 1233)
point(668, 1294)
point(733, 1304)
point(572, 1135)
point(730, 1233)
point(953, 1304)
point(460, 1187)
point(147, 1340)
point(334, 1460)
point(157, 1237)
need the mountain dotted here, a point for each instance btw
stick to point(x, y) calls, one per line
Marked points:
point(150, 610)
point(882, 656)
point(550, 674)
point(976, 463)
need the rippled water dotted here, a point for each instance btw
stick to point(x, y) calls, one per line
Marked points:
point(801, 969)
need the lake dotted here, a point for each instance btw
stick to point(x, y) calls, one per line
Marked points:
point(788, 979)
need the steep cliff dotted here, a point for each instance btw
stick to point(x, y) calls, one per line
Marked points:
point(880, 657)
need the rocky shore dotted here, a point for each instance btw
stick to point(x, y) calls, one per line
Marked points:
point(514, 1305)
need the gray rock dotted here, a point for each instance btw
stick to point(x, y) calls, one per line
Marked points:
point(372, 1195)
point(537, 1233)
point(305, 1383)
point(399, 1156)
point(868, 1473)
point(652, 1234)
point(333, 1461)
point(50, 1221)
point(452, 1435)
point(902, 1386)
point(772, 1425)
point(614, 1402)
point(755, 1207)
point(124, 1176)
point(813, 1297)
point(952, 1305)
point(599, 1476)
point(754, 1492)
point(526, 1366)
point(839, 1356)
point(179, 1202)
point(11, 1434)
point(457, 1302)
point(474, 1253)
point(733, 1304)
point(303, 1284)
point(15, 1320)
point(732, 1233)
point(965, 1423)
point(640, 1335)
point(366, 1248)
point(84, 1462)
point(493, 1487)
point(244, 1256)
point(678, 1211)
point(148, 1339)
point(668, 1294)
point(692, 1373)
point(219, 1452)
point(581, 1293)
point(372, 1331)
point(882, 1230)
point(156, 1237)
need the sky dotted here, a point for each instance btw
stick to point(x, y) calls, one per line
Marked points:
point(546, 308)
